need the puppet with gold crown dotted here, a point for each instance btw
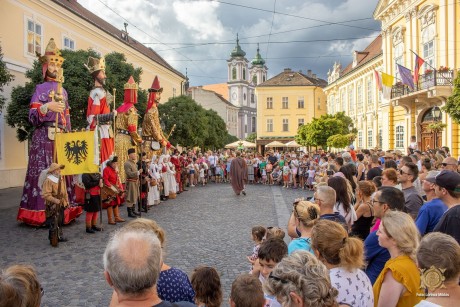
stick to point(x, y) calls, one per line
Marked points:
point(98, 111)
point(48, 106)
point(126, 135)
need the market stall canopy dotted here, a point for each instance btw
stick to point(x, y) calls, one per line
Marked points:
point(275, 144)
point(237, 144)
point(293, 144)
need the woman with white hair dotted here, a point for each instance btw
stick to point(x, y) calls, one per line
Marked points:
point(154, 192)
point(301, 280)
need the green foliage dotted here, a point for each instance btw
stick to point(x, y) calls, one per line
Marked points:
point(452, 106)
point(340, 140)
point(78, 83)
point(195, 126)
point(318, 131)
point(252, 137)
point(5, 78)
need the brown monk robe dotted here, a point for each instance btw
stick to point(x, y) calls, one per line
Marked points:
point(238, 174)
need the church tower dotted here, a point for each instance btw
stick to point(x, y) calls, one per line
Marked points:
point(258, 70)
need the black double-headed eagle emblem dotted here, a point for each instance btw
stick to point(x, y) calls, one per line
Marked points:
point(76, 151)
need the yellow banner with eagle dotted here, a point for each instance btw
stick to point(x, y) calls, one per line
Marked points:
point(78, 152)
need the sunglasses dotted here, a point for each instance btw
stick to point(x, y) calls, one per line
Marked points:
point(445, 164)
point(401, 172)
point(283, 281)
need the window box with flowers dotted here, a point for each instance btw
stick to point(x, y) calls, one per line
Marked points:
point(443, 69)
point(428, 71)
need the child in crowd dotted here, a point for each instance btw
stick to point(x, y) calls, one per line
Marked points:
point(219, 172)
point(286, 173)
point(271, 252)
point(311, 177)
point(191, 171)
point(269, 169)
point(202, 174)
point(275, 232)
point(223, 171)
point(263, 170)
point(207, 286)
point(247, 292)
point(229, 162)
point(276, 176)
point(258, 234)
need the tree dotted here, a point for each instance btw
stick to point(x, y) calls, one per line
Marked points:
point(78, 83)
point(317, 132)
point(340, 140)
point(452, 106)
point(252, 137)
point(195, 126)
point(5, 78)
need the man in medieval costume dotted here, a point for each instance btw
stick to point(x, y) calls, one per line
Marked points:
point(152, 133)
point(98, 111)
point(126, 126)
point(132, 182)
point(48, 102)
point(238, 174)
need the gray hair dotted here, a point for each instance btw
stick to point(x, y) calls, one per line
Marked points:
point(346, 156)
point(132, 258)
point(327, 195)
point(305, 275)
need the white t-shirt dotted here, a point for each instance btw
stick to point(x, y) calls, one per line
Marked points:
point(355, 288)
point(212, 160)
point(350, 217)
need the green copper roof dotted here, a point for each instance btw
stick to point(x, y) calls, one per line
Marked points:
point(237, 51)
point(258, 60)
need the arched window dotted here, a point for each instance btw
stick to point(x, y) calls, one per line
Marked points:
point(244, 73)
point(234, 73)
point(427, 17)
point(254, 79)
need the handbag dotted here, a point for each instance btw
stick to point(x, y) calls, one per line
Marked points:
point(153, 182)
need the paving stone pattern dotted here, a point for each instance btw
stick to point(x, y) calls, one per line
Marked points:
point(204, 226)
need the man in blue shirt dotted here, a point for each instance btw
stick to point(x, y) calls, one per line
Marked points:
point(384, 200)
point(433, 209)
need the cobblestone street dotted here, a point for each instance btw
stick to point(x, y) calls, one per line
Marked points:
point(204, 226)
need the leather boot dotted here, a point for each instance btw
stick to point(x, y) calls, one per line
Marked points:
point(130, 212)
point(110, 216)
point(138, 213)
point(88, 228)
point(116, 212)
point(144, 205)
point(94, 226)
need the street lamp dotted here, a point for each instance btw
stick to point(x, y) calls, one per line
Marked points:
point(436, 113)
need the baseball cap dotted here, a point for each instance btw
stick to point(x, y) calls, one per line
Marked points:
point(431, 176)
point(448, 180)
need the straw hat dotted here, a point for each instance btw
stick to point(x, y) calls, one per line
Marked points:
point(55, 166)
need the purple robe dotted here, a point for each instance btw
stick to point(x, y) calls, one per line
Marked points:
point(32, 207)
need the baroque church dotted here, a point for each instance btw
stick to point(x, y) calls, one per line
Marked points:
point(243, 76)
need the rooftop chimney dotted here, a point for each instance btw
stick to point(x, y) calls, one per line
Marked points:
point(309, 72)
point(313, 76)
point(287, 70)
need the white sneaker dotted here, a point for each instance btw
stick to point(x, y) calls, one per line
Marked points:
point(192, 185)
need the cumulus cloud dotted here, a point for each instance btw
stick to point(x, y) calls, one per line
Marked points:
point(199, 35)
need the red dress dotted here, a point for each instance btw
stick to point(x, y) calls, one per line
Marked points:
point(177, 165)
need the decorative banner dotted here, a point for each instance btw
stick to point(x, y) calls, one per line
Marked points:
point(76, 150)
point(406, 76)
point(378, 80)
point(387, 83)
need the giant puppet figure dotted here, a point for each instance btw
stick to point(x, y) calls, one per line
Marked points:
point(98, 111)
point(152, 133)
point(49, 104)
point(126, 125)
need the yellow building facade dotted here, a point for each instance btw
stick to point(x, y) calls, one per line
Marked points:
point(27, 26)
point(430, 29)
point(285, 102)
point(353, 90)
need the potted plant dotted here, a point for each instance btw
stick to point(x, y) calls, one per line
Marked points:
point(437, 126)
point(428, 71)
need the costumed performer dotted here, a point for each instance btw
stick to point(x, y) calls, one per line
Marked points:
point(98, 111)
point(93, 184)
point(45, 105)
point(154, 192)
point(238, 174)
point(152, 133)
point(126, 125)
point(111, 180)
point(54, 193)
point(132, 183)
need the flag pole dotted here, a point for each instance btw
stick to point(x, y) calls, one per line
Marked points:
point(434, 69)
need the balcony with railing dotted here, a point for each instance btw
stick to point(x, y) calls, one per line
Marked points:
point(428, 80)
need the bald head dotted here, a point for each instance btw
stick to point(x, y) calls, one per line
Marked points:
point(450, 164)
point(132, 261)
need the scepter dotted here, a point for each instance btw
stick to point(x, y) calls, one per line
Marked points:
point(114, 106)
point(58, 98)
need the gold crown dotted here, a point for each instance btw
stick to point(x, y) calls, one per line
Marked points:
point(52, 54)
point(131, 84)
point(95, 64)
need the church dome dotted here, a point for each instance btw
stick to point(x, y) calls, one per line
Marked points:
point(237, 51)
point(258, 60)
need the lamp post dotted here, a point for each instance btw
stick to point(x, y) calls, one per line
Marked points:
point(436, 114)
